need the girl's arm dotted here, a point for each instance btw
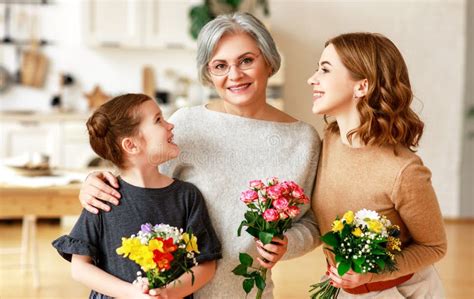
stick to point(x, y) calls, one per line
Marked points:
point(85, 272)
point(182, 286)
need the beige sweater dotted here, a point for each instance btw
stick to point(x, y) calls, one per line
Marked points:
point(395, 185)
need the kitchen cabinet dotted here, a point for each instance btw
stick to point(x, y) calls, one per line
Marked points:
point(143, 24)
point(63, 137)
point(112, 23)
point(26, 136)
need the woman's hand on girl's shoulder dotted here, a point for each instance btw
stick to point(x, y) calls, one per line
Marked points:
point(94, 192)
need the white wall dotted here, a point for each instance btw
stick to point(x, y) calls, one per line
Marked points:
point(430, 34)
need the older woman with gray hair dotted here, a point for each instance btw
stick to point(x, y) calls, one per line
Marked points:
point(228, 142)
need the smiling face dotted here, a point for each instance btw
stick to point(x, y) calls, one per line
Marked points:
point(156, 136)
point(333, 87)
point(246, 81)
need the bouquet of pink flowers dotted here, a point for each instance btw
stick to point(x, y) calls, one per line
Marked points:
point(163, 252)
point(271, 209)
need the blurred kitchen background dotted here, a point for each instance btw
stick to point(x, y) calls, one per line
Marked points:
point(61, 58)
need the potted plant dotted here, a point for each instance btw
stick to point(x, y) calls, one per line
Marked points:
point(201, 14)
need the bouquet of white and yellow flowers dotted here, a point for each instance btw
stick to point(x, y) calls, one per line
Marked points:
point(364, 242)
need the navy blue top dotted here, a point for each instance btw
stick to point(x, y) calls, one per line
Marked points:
point(98, 235)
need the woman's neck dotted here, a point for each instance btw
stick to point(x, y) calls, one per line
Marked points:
point(346, 123)
point(259, 111)
point(256, 110)
point(145, 177)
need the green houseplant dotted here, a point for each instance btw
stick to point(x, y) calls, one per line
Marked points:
point(201, 14)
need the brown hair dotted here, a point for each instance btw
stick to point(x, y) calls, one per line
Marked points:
point(114, 120)
point(385, 114)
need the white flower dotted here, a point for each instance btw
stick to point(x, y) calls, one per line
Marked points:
point(363, 215)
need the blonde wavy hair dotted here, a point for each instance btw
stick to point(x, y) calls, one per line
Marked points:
point(385, 114)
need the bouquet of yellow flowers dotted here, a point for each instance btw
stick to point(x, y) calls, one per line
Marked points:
point(163, 252)
point(364, 242)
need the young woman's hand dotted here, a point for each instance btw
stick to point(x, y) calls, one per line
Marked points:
point(272, 252)
point(95, 190)
point(349, 280)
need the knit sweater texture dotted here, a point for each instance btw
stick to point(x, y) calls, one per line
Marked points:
point(391, 181)
point(220, 154)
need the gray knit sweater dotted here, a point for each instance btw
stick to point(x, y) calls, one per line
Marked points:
point(220, 154)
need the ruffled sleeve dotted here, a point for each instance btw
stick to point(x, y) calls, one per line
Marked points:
point(67, 246)
point(84, 238)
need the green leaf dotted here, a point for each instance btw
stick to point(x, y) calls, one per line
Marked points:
point(251, 206)
point(252, 231)
point(330, 239)
point(239, 231)
point(245, 259)
point(274, 232)
point(346, 231)
point(380, 263)
point(339, 258)
point(357, 268)
point(343, 267)
point(259, 282)
point(359, 261)
point(247, 284)
point(265, 237)
point(378, 252)
point(240, 270)
point(251, 217)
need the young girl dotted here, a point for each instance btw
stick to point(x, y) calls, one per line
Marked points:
point(368, 161)
point(131, 132)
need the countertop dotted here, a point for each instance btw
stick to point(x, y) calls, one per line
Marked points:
point(41, 116)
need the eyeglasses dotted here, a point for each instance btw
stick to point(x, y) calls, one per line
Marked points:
point(221, 68)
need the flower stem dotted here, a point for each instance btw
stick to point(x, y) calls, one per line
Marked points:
point(263, 274)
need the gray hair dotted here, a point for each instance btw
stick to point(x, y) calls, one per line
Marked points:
point(213, 31)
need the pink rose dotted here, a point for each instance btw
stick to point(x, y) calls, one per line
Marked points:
point(283, 215)
point(285, 188)
point(293, 211)
point(280, 204)
point(271, 215)
point(274, 191)
point(256, 184)
point(304, 200)
point(248, 196)
point(272, 181)
point(298, 193)
point(292, 184)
